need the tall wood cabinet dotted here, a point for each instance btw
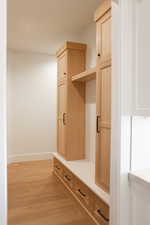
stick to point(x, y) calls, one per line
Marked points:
point(103, 95)
point(71, 102)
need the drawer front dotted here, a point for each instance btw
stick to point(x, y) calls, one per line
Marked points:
point(68, 178)
point(97, 208)
point(58, 168)
point(84, 194)
point(101, 211)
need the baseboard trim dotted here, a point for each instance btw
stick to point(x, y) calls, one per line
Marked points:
point(29, 157)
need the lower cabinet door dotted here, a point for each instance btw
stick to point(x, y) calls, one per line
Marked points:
point(103, 135)
point(62, 115)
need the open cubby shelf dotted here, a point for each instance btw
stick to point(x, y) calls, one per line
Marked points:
point(89, 74)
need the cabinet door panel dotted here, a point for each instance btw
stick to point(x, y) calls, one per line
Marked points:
point(62, 67)
point(103, 136)
point(104, 38)
point(62, 112)
point(105, 108)
point(103, 159)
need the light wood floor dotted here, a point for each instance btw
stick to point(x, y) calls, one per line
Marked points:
point(36, 197)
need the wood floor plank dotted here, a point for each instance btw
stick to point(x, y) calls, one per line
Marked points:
point(37, 197)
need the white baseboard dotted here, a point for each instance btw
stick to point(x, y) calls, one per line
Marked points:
point(29, 157)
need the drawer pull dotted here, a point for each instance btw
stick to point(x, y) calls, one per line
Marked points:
point(81, 193)
point(99, 212)
point(58, 168)
point(67, 178)
point(64, 119)
point(97, 124)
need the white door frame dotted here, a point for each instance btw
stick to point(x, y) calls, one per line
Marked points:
point(120, 164)
point(3, 145)
point(122, 71)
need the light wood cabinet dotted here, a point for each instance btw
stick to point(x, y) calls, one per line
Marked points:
point(71, 98)
point(71, 102)
point(103, 95)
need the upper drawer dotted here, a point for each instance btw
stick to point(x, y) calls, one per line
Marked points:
point(58, 167)
point(68, 178)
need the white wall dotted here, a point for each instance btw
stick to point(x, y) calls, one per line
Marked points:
point(88, 36)
point(90, 120)
point(140, 143)
point(32, 102)
point(140, 61)
point(32, 80)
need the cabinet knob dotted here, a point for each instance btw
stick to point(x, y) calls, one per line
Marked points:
point(97, 124)
point(64, 73)
point(98, 54)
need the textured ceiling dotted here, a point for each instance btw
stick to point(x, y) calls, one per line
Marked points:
point(43, 25)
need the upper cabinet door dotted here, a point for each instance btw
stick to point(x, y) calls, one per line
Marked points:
point(140, 57)
point(103, 38)
point(62, 67)
point(103, 95)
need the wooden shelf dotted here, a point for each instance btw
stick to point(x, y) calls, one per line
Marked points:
point(85, 76)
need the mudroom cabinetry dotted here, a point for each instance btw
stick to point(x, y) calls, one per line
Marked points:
point(71, 101)
point(88, 180)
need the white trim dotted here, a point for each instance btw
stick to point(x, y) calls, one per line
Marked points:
point(3, 125)
point(120, 212)
point(116, 115)
point(126, 111)
point(30, 157)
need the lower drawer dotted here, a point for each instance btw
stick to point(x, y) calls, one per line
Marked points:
point(101, 211)
point(84, 194)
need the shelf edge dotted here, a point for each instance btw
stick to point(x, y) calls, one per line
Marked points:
point(89, 74)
